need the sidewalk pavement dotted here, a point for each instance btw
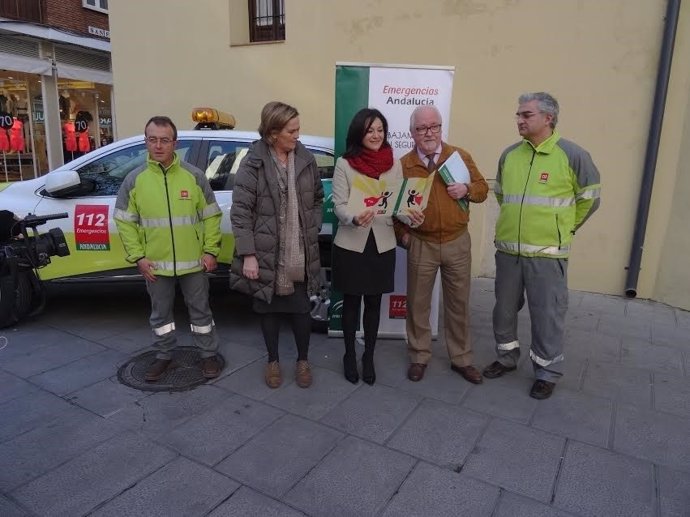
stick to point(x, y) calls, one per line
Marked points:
point(614, 439)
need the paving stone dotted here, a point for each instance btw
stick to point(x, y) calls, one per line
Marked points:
point(439, 433)
point(25, 413)
point(586, 320)
point(430, 490)
point(34, 453)
point(391, 361)
point(181, 488)
point(80, 373)
point(372, 412)
point(247, 502)
point(14, 387)
point(587, 344)
point(25, 340)
point(51, 356)
point(575, 415)
point(672, 394)
point(595, 481)
point(106, 397)
point(508, 450)
point(597, 303)
point(439, 382)
point(92, 325)
point(94, 477)
point(653, 357)
point(623, 384)
point(280, 455)
point(674, 492)
point(356, 478)
point(326, 392)
point(505, 397)
point(670, 335)
point(161, 412)
point(213, 435)
point(683, 318)
point(9, 509)
point(513, 505)
point(237, 356)
point(654, 436)
point(249, 381)
point(131, 342)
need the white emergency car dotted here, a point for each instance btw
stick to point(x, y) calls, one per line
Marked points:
point(86, 189)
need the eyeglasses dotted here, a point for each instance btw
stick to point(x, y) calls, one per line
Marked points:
point(526, 115)
point(155, 141)
point(422, 130)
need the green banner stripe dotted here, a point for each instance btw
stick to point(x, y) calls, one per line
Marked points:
point(351, 95)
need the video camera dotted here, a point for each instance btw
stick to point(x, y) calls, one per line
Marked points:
point(23, 249)
point(33, 250)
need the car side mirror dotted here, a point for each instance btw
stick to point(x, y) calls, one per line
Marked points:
point(63, 183)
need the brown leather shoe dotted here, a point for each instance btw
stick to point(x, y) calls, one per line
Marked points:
point(416, 372)
point(496, 369)
point(303, 374)
point(469, 373)
point(156, 370)
point(542, 389)
point(210, 367)
point(272, 375)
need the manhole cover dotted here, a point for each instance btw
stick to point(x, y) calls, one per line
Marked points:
point(184, 373)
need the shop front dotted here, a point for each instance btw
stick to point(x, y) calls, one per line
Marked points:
point(55, 102)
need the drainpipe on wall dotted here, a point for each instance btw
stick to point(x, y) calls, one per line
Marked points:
point(662, 80)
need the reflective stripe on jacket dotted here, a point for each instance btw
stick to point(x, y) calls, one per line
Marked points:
point(169, 216)
point(545, 194)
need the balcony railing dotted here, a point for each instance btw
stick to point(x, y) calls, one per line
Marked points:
point(23, 10)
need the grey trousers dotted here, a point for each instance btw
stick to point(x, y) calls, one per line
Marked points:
point(545, 281)
point(194, 288)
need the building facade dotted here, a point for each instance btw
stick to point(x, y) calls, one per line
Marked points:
point(56, 94)
point(599, 58)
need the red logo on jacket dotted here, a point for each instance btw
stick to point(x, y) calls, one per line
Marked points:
point(184, 194)
point(543, 177)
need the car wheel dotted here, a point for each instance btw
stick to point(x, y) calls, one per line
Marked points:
point(24, 293)
point(8, 299)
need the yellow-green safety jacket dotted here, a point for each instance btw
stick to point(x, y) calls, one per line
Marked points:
point(545, 194)
point(169, 216)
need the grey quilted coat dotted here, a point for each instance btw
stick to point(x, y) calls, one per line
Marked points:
point(254, 218)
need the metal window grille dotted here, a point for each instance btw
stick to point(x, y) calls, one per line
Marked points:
point(266, 20)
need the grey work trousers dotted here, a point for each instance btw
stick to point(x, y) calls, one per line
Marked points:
point(194, 288)
point(546, 282)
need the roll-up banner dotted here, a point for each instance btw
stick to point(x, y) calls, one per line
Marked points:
point(395, 90)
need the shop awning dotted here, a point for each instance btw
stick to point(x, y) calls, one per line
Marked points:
point(30, 65)
point(84, 74)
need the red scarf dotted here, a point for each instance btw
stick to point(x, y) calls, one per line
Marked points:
point(372, 163)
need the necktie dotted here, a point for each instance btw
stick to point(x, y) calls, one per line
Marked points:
point(431, 165)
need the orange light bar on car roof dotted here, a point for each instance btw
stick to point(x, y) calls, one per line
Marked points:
point(212, 118)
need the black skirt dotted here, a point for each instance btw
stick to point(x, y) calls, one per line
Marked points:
point(297, 302)
point(369, 272)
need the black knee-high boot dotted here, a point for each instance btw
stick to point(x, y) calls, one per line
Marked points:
point(350, 320)
point(370, 321)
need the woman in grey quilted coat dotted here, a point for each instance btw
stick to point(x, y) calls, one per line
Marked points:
point(276, 217)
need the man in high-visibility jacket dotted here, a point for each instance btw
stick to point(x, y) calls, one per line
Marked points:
point(546, 187)
point(169, 223)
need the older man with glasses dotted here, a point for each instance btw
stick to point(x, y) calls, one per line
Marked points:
point(440, 242)
point(546, 187)
point(169, 223)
